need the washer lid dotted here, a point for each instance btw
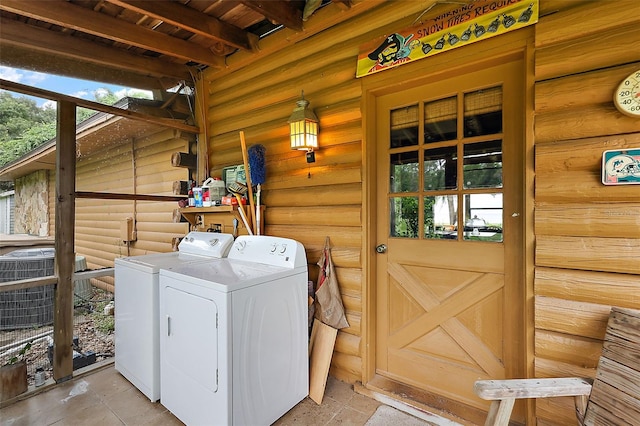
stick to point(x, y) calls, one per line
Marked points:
point(211, 244)
point(151, 263)
point(229, 274)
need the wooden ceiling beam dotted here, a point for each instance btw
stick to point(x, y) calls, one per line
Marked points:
point(47, 94)
point(45, 41)
point(193, 21)
point(343, 4)
point(66, 14)
point(278, 11)
point(49, 63)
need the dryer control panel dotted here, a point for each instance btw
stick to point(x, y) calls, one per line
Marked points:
point(269, 250)
point(211, 244)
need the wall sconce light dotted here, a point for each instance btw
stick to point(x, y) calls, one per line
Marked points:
point(303, 129)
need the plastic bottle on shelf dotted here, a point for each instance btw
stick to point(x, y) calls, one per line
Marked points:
point(206, 192)
point(197, 196)
point(192, 200)
point(217, 191)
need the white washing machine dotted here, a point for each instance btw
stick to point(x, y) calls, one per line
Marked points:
point(137, 297)
point(233, 334)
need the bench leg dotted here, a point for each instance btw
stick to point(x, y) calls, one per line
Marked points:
point(500, 412)
point(581, 407)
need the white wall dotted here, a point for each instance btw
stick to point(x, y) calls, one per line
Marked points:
point(7, 201)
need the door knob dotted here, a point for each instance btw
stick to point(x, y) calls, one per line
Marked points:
point(381, 248)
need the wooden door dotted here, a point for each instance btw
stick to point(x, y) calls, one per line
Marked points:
point(449, 307)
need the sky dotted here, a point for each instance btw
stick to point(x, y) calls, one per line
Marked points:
point(67, 86)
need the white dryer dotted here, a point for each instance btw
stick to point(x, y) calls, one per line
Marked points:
point(233, 334)
point(137, 290)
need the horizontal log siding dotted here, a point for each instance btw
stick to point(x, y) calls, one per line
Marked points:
point(98, 222)
point(587, 234)
point(308, 202)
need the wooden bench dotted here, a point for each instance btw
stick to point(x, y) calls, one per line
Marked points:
point(612, 399)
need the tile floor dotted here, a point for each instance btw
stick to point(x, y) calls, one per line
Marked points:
point(105, 398)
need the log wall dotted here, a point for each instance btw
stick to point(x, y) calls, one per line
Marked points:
point(138, 166)
point(587, 234)
point(308, 202)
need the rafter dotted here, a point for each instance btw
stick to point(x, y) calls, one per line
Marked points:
point(28, 59)
point(47, 94)
point(343, 4)
point(193, 21)
point(48, 42)
point(283, 12)
point(148, 44)
point(68, 15)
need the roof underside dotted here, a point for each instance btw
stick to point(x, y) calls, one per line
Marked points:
point(144, 44)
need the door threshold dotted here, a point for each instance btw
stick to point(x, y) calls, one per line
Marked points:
point(414, 401)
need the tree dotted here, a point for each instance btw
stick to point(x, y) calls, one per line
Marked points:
point(17, 115)
point(24, 126)
point(103, 96)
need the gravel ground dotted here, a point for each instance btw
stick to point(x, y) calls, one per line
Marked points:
point(92, 327)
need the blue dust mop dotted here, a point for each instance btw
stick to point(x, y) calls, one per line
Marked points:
point(257, 172)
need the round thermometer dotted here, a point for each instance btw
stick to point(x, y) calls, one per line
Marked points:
point(627, 96)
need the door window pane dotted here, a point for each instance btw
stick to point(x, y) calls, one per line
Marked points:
point(483, 217)
point(483, 112)
point(440, 120)
point(404, 172)
point(440, 168)
point(403, 215)
point(440, 217)
point(404, 127)
point(483, 165)
point(432, 167)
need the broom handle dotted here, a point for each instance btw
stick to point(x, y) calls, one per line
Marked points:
point(258, 209)
point(242, 215)
point(248, 175)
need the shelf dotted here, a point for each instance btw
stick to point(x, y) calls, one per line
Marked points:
point(217, 218)
point(212, 209)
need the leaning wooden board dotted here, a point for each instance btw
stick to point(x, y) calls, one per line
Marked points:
point(323, 339)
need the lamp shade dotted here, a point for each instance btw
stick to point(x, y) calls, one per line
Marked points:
point(303, 127)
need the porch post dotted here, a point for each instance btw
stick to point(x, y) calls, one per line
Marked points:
point(64, 241)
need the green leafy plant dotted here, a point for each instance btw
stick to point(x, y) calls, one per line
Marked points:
point(103, 323)
point(20, 355)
